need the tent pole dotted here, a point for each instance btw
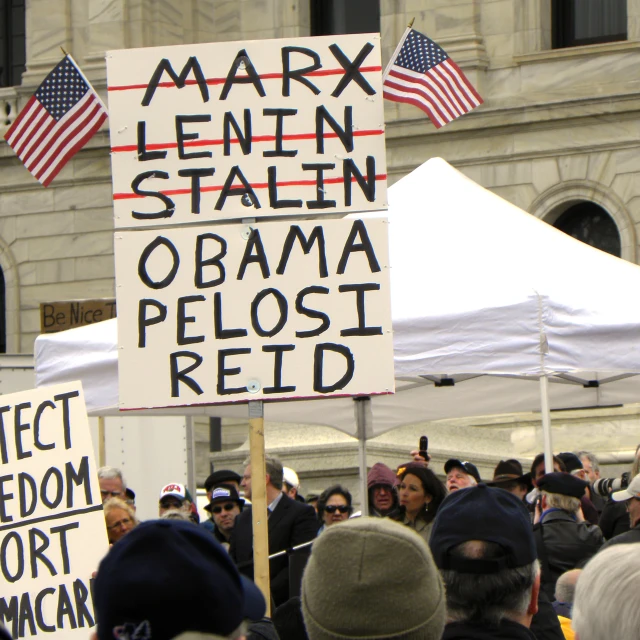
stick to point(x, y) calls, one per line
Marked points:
point(363, 412)
point(546, 423)
point(191, 457)
point(102, 455)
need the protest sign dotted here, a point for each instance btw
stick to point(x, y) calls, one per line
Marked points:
point(208, 132)
point(52, 529)
point(228, 313)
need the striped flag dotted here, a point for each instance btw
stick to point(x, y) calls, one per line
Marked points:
point(59, 119)
point(422, 74)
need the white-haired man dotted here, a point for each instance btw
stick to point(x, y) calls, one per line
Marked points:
point(607, 602)
point(563, 539)
point(460, 474)
point(112, 483)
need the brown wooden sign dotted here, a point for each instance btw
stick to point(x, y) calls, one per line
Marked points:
point(60, 316)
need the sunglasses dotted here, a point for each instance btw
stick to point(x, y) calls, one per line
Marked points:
point(332, 508)
point(227, 507)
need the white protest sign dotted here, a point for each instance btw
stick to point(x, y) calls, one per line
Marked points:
point(221, 313)
point(52, 528)
point(209, 132)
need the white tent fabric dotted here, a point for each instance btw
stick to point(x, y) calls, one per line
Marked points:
point(478, 287)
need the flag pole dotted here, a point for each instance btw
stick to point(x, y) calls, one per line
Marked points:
point(407, 31)
point(95, 93)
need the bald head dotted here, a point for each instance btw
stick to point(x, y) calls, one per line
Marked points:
point(566, 586)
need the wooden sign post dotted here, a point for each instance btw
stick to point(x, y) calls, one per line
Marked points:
point(259, 500)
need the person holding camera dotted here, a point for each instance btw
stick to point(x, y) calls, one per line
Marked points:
point(614, 519)
point(630, 497)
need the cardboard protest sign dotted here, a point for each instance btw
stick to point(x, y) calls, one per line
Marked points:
point(52, 528)
point(221, 313)
point(209, 132)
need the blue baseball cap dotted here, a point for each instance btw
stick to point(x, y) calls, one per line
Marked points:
point(488, 514)
point(166, 577)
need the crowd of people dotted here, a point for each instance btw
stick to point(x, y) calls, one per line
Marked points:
point(537, 556)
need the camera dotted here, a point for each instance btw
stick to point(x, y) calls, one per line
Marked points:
point(605, 486)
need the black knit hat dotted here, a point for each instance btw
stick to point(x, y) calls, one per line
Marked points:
point(564, 484)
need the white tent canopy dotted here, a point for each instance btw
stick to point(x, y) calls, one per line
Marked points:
point(478, 287)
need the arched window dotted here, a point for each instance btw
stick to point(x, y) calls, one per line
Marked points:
point(591, 224)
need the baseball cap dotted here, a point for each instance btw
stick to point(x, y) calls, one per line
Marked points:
point(224, 493)
point(488, 514)
point(290, 477)
point(144, 580)
point(223, 476)
point(467, 467)
point(174, 489)
point(563, 483)
point(632, 491)
point(4, 634)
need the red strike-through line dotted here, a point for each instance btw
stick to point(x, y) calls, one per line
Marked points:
point(260, 185)
point(206, 143)
point(264, 76)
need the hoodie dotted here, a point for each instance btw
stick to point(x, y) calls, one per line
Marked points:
point(380, 474)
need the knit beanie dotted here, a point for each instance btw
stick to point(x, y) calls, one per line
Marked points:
point(372, 578)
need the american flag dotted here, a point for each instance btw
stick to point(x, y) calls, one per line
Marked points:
point(422, 74)
point(59, 119)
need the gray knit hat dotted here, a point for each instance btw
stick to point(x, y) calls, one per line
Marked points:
point(372, 578)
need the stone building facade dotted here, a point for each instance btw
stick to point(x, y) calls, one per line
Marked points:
point(559, 130)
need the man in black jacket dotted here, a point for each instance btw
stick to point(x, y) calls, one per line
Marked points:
point(563, 539)
point(290, 523)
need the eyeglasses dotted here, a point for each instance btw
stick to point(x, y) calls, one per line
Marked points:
point(227, 507)
point(121, 523)
point(332, 508)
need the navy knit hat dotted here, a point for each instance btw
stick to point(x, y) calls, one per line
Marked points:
point(166, 577)
point(488, 514)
